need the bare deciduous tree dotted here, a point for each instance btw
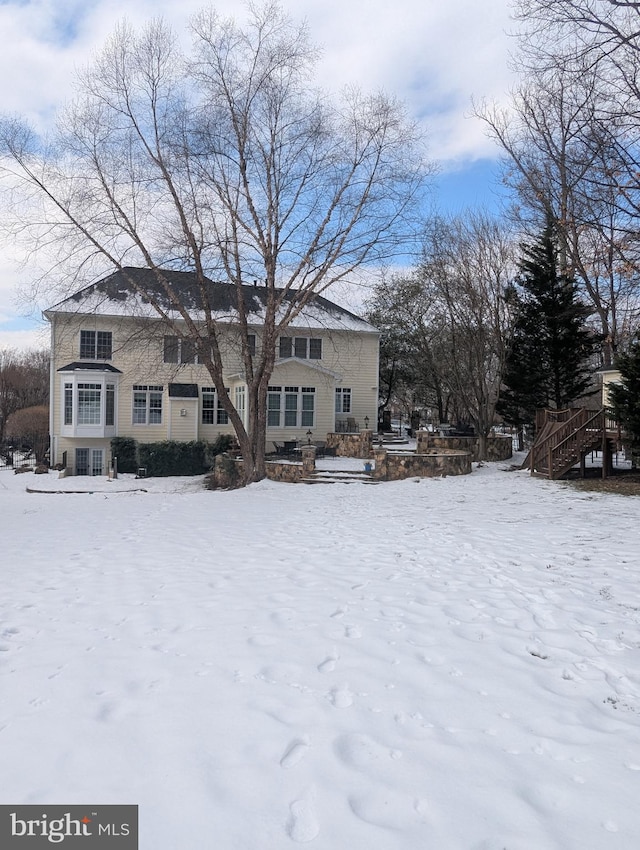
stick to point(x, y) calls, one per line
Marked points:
point(467, 273)
point(24, 382)
point(229, 164)
point(566, 157)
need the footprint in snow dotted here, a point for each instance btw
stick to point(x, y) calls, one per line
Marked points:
point(295, 752)
point(303, 825)
point(341, 697)
point(328, 665)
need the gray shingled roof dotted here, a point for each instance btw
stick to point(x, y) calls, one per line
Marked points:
point(123, 293)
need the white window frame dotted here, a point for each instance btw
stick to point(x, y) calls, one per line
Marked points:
point(343, 400)
point(217, 411)
point(240, 403)
point(180, 346)
point(152, 393)
point(75, 406)
point(94, 462)
point(96, 344)
point(293, 407)
point(300, 347)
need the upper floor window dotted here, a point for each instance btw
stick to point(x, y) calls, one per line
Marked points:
point(95, 345)
point(147, 404)
point(178, 350)
point(301, 347)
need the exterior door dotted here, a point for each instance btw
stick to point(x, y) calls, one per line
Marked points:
point(89, 462)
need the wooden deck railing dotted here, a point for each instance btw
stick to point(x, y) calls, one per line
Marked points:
point(563, 442)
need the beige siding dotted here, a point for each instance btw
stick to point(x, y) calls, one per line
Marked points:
point(183, 419)
point(349, 360)
point(611, 376)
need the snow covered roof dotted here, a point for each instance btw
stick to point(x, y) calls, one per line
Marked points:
point(131, 291)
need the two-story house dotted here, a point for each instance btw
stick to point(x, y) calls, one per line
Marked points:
point(119, 369)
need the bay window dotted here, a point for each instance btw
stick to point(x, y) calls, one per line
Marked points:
point(88, 403)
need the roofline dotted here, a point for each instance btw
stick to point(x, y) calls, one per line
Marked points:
point(323, 303)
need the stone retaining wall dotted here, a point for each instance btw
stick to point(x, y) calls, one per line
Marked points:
point(352, 445)
point(394, 466)
point(499, 446)
point(289, 473)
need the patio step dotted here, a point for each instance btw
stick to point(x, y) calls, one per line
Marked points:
point(346, 477)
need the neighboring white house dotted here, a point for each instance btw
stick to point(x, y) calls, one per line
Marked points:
point(608, 377)
point(117, 370)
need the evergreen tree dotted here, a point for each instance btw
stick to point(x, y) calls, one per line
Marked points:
point(625, 396)
point(549, 362)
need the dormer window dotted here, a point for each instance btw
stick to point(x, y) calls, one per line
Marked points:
point(95, 345)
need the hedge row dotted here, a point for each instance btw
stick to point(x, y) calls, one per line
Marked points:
point(169, 457)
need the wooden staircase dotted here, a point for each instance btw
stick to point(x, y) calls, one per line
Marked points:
point(565, 437)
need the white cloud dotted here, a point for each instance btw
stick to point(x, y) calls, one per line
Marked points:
point(22, 340)
point(435, 56)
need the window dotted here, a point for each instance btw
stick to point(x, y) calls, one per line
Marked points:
point(177, 350)
point(110, 405)
point(301, 347)
point(299, 407)
point(308, 407)
point(89, 404)
point(315, 349)
point(95, 345)
point(88, 408)
point(273, 407)
point(285, 346)
point(147, 404)
point(343, 400)
point(212, 412)
point(68, 404)
point(241, 403)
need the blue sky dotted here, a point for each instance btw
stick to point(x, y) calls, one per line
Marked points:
point(432, 55)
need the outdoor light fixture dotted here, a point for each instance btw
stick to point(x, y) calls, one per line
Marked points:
point(366, 422)
point(309, 433)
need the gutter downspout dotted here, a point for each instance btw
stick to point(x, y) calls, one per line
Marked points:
point(53, 443)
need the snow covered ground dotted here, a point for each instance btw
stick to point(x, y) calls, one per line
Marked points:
point(445, 663)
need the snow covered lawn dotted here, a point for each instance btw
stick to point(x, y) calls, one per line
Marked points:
point(444, 664)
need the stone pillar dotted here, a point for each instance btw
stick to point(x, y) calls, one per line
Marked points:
point(380, 458)
point(366, 442)
point(422, 442)
point(308, 460)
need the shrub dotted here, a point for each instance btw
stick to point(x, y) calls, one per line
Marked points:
point(169, 457)
point(124, 448)
point(222, 444)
